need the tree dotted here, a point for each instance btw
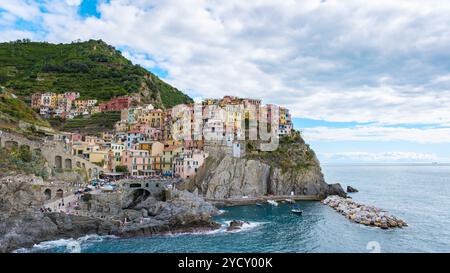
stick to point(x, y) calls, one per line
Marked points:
point(121, 169)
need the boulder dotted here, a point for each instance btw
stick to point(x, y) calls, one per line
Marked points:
point(236, 224)
point(350, 189)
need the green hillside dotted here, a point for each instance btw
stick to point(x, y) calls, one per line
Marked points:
point(95, 124)
point(13, 110)
point(93, 68)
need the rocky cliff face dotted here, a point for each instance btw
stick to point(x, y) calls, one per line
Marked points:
point(293, 167)
point(184, 211)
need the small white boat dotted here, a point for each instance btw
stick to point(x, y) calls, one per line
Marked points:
point(289, 200)
point(297, 211)
point(272, 202)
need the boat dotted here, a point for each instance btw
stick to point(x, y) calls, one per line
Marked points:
point(272, 202)
point(296, 210)
point(289, 200)
point(259, 205)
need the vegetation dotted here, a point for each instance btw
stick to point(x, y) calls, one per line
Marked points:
point(22, 159)
point(95, 124)
point(93, 68)
point(121, 169)
point(13, 109)
point(292, 154)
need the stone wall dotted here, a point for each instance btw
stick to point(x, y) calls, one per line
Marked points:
point(56, 153)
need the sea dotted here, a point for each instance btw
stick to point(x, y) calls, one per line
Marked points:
point(418, 194)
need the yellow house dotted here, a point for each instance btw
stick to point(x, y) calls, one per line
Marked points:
point(168, 155)
point(282, 115)
point(147, 145)
point(155, 162)
point(98, 157)
point(156, 118)
point(53, 100)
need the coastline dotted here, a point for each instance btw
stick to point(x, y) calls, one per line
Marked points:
point(229, 202)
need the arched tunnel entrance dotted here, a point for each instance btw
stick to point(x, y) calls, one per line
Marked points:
point(59, 193)
point(58, 162)
point(48, 194)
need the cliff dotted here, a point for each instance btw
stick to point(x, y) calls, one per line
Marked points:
point(293, 167)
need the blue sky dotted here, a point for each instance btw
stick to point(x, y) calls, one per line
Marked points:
point(366, 81)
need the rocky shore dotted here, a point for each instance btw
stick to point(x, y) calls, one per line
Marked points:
point(363, 214)
point(23, 224)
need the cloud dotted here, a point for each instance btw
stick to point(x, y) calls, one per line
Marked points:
point(74, 2)
point(385, 157)
point(384, 61)
point(375, 133)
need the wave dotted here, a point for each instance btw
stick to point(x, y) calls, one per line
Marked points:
point(223, 229)
point(245, 227)
point(70, 245)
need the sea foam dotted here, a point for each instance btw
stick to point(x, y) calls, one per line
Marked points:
point(70, 245)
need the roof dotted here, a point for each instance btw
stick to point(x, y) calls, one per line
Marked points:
point(171, 148)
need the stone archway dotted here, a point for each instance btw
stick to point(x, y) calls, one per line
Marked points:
point(68, 163)
point(58, 162)
point(48, 194)
point(59, 193)
point(89, 173)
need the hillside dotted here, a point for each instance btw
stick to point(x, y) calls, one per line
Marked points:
point(95, 124)
point(93, 68)
point(13, 110)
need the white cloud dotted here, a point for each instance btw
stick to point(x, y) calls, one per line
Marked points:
point(365, 61)
point(385, 157)
point(375, 133)
point(73, 2)
point(23, 9)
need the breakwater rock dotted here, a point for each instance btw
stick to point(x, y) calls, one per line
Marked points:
point(363, 214)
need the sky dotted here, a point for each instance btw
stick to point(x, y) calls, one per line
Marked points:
point(365, 81)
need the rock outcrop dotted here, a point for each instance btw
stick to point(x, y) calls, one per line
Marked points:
point(350, 189)
point(293, 167)
point(184, 212)
point(23, 224)
point(236, 225)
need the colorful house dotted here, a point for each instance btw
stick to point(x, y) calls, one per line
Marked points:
point(187, 165)
point(136, 160)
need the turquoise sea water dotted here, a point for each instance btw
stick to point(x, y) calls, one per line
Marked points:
point(418, 194)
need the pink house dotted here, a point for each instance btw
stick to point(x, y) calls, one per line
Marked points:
point(187, 165)
point(116, 104)
point(136, 160)
point(75, 137)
